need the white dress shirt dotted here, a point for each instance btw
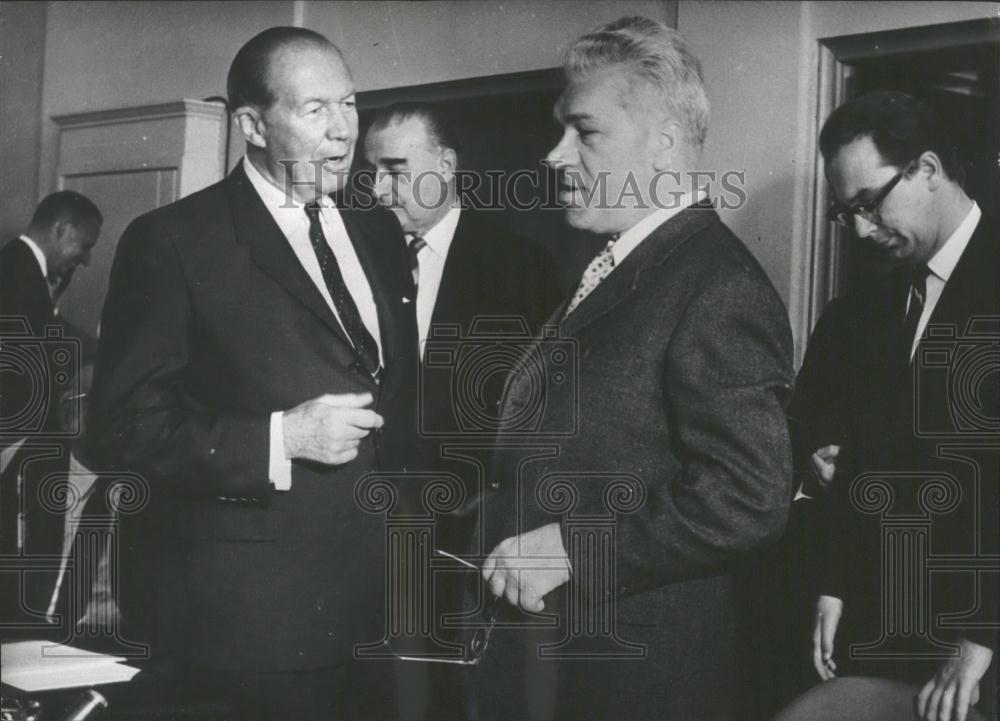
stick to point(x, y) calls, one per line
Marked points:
point(39, 255)
point(942, 265)
point(294, 224)
point(431, 260)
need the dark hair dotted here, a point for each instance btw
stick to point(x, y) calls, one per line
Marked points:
point(247, 81)
point(66, 205)
point(900, 126)
point(435, 118)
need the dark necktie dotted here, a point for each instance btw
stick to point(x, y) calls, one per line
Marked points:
point(364, 345)
point(416, 245)
point(917, 297)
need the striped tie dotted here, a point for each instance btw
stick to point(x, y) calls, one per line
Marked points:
point(364, 345)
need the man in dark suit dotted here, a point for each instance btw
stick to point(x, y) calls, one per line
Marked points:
point(917, 460)
point(667, 458)
point(472, 278)
point(257, 360)
point(34, 269)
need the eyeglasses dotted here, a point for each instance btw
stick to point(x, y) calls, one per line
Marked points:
point(868, 210)
point(473, 652)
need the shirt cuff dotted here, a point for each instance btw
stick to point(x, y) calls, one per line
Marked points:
point(279, 469)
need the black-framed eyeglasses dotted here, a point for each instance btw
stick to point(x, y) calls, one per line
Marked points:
point(869, 209)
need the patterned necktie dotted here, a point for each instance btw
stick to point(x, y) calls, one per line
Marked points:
point(350, 318)
point(602, 264)
point(917, 296)
point(416, 245)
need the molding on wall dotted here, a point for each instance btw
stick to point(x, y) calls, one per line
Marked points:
point(141, 113)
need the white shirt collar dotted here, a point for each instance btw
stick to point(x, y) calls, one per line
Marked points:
point(944, 261)
point(39, 255)
point(439, 237)
point(631, 238)
point(273, 196)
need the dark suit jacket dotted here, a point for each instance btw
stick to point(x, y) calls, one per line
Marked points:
point(680, 374)
point(26, 310)
point(493, 272)
point(210, 324)
point(922, 435)
point(489, 274)
point(24, 291)
point(30, 389)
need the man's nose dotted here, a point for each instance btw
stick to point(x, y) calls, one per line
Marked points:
point(562, 153)
point(339, 127)
point(382, 183)
point(863, 228)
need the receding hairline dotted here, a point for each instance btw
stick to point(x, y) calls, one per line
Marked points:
point(279, 55)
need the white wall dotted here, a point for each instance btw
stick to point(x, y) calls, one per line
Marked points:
point(101, 55)
point(391, 44)
point(22, 50)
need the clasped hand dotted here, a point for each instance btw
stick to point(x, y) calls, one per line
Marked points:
point(525, 568)
point(328, 429)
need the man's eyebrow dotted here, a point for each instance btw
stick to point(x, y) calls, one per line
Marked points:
point(392, 161)
point(577, 117)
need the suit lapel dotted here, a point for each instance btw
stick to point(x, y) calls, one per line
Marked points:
point(649, 254)
point(614, 289)
point(270, 251)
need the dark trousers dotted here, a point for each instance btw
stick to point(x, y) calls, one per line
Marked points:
point(354, 691)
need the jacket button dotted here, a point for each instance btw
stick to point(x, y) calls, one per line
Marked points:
point(494, 485)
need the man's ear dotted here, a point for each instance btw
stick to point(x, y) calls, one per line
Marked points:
point(449, 163)
point(929, 165)
point(251, 124)
point(60, 229)
point(666, 145)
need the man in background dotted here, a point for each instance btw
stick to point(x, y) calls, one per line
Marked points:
point(918, 423)
point(257, 361)
point(683, 370)
point(472, 277)
point(35, 269)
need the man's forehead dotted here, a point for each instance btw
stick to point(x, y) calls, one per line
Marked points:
point(303, 70)
point(587, 96)
point(402, 135)
point(858, 166)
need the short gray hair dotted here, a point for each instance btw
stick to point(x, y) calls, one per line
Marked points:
point(655, 54)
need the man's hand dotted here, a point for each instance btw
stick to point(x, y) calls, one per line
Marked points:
point(828, 611)
point(524, 568)
point(824, 464)
point(329, 428)
point(955, 687)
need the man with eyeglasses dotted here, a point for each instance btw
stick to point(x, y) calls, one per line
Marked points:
point(921, 447)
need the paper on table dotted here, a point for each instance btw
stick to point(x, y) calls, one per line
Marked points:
point(43, 666)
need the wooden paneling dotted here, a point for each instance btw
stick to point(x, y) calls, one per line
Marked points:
point(130, 161)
